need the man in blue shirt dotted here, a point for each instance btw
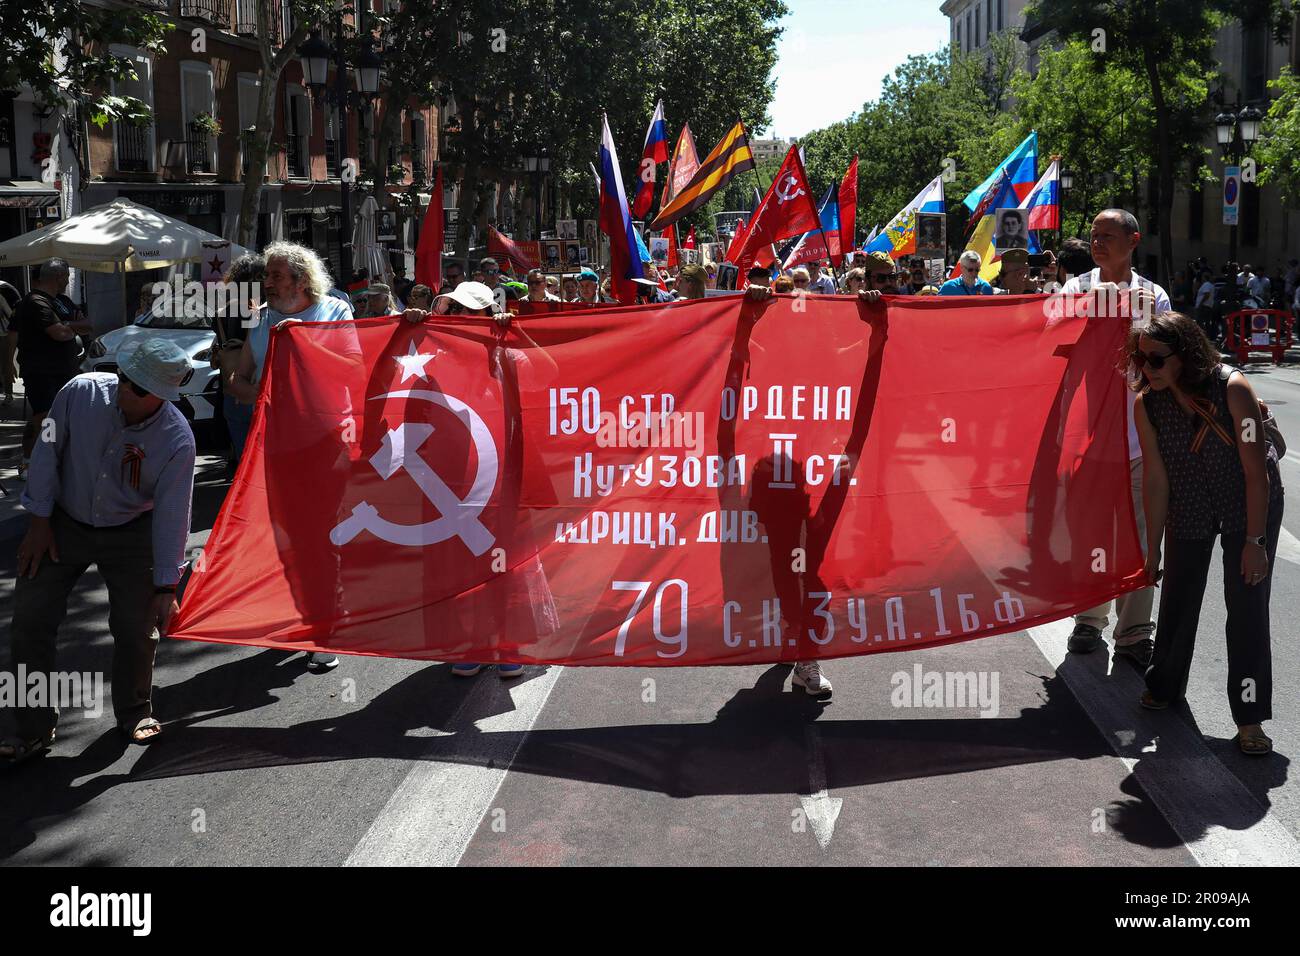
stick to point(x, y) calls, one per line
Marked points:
point(110, 484)
point(970, 282)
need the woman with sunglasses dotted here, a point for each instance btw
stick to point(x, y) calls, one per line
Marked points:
point(1210, 471)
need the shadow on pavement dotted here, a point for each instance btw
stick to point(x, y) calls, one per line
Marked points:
point(756, 744)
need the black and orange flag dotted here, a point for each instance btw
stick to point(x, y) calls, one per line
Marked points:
point(730, 157)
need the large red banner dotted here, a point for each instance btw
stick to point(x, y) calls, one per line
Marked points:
point(708, 482)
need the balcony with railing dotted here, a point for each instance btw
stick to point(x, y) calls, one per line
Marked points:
point(246, 20)
point(215, 12)
point(133, 146)
point(332, 158)
point(199, 144)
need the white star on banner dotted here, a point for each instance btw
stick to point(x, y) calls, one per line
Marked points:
point(413, 363)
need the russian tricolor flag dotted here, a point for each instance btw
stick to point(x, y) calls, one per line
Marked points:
point(624, 263)
point(654, 153)
point(1044, 201)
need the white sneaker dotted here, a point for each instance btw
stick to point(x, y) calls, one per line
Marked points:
point(808, 675)
point(317, 661)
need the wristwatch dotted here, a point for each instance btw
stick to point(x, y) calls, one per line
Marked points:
point(1259, 542)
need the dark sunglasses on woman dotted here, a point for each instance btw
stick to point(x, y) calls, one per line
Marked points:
point(1157, 362)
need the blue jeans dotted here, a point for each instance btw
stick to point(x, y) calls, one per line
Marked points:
point(239, 417)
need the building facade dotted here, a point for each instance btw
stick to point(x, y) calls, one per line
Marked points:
point(189, 161)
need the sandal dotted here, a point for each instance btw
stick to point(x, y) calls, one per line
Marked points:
point(137, 734)
point(20, 751)
point(1254, 743)
point(1150, 703)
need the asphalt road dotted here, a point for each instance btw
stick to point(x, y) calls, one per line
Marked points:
point(384, 761)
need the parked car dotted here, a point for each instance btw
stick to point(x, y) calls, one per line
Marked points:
point(200, 396)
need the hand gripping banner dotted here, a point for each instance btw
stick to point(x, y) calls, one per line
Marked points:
point(706, 482)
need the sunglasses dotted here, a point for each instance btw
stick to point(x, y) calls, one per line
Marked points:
point(1157, 362)
point(491, 272)
point(123, 380)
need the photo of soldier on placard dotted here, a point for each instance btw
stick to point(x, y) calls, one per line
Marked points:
point(659, 250)
point(930, 235)
point(589, 233)
point(566, 229)
point(1011, 232)
point(571, 254)
point(552, 255)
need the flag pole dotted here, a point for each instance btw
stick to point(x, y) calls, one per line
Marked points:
point(762, 190)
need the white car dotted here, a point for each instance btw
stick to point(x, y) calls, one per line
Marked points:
point(200, 396)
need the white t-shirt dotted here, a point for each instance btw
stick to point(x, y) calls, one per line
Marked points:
point(1260, 287)
point(1083, 283)
point(1205, 294)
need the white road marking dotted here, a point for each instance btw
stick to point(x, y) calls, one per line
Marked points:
point(1288, 547)
point(434, 813)
point(1216, 817)
point(821, 809)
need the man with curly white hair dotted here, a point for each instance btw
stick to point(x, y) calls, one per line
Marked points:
point(296, 287)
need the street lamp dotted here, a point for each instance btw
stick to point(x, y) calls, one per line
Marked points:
point(367, 71)
point(1248, 121)
point(315, 55)
point(1067, 180)
point(538, 166)
point(1236, 133)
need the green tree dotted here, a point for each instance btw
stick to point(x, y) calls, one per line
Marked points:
point(275, 53)
point(1099, 121)
point(1278, 150)
point(1169, 45)
point(61, 50)
point(536, 75)
point(936, 111)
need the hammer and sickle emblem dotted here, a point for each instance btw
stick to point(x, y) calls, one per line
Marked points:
point(400, 452)
point(788, 188)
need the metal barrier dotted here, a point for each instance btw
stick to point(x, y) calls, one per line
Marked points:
point(1259, 330)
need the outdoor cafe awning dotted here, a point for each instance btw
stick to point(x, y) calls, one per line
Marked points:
point(26, 194)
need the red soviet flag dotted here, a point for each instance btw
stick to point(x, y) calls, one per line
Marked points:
point(737, 240)
point(428, 251)
point(848, 199)
point(512, 255)
point(452, 491)
point(671, 233)
point(788, 209)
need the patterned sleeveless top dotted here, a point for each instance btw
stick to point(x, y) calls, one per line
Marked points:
point(1207, 486)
